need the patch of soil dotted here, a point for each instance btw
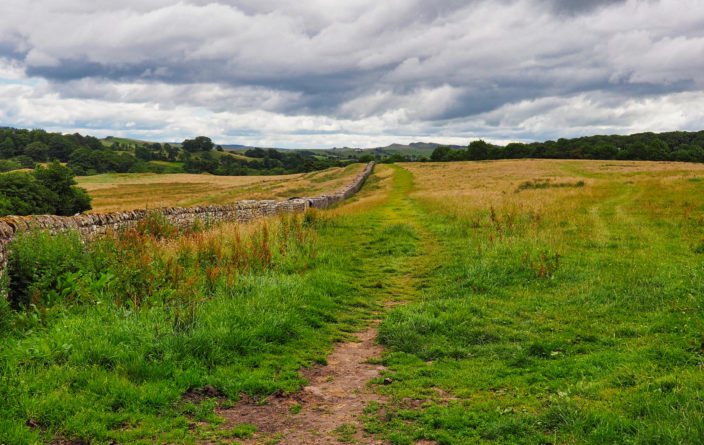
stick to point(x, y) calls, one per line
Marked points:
point(336, 395)
point(198, 395)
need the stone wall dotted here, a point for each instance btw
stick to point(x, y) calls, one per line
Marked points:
point(92, 224)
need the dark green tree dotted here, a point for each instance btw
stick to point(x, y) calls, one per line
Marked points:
point(201, 143)
point(67, 197)
point(7, 148)
point(440, 153)
point(478, 150)
point(37, 150)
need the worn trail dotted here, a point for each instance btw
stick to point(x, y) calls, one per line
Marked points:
point(327, 409)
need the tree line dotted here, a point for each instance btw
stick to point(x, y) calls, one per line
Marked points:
point(679, 146)
point(87, 155)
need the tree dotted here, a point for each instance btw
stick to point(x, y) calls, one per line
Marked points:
point(171, 152)
point(516, 150)
point(59, 180)
point(37, 151)
point(604, 151)
point(201, 143)
point(143, 153)
point(440, 153)
point(255, 153)
point(20, 194)
point(478, 150)
point(60, 147)
point(7, 148)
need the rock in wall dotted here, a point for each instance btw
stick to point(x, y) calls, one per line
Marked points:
point(92, 224)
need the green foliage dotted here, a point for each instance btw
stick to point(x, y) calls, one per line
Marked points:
point(49, 190)
point(38, 266)
point(346, 432)
point(243, 431)
point(37, 150)
point(478, 150)
point(8, 165)
point(21, 194)
point(201, 143)
point(673, 146)
point(86, 155)
point(396, 157)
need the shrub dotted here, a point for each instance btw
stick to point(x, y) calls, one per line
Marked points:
point(38, 264)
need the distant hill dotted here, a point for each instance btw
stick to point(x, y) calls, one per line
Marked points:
point(412, 151)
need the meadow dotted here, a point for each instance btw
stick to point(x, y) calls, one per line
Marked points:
point(520, 301)
point(126, 191)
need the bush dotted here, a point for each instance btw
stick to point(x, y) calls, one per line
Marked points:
point(38, 265)
point(9, 165)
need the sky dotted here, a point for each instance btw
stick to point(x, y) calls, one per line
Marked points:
point(358, 73)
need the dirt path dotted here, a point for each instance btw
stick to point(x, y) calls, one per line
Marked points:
point(326, 410)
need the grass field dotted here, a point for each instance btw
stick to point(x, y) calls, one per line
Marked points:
point(521, 301)
point(127, 191)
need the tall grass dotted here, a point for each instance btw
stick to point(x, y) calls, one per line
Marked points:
point(154, 313)
point(558, 314)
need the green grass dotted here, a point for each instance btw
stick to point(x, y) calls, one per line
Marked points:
point(509, 345)
point(578, 322)
point(109, 371)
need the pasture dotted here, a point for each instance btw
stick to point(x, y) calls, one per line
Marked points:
point(128, 191)
point(517, 301)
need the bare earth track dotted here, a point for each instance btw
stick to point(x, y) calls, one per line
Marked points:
point(336, 395)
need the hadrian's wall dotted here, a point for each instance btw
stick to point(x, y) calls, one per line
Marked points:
point(92, 224)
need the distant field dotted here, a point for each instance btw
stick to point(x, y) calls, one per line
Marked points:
point(117, 191)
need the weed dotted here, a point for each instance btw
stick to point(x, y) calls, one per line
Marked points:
point(243, 431)
point(346, 432)
point(544, 265)
point(546, 183)
point(42, 269)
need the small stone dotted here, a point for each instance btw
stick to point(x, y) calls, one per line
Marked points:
point(388, 381)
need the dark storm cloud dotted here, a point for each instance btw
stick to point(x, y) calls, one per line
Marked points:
point(581, 6)
point(394, 66)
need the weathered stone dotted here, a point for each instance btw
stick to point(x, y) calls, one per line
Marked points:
point(92, 224)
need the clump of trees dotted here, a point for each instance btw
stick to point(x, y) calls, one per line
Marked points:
point(46, 190)
point(671, 146)
point(86, 155)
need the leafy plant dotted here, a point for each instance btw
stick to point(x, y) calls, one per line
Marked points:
point(42, 268)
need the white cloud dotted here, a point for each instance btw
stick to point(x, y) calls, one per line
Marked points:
point(314, 72)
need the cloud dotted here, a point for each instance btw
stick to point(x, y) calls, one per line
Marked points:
point(350, 70)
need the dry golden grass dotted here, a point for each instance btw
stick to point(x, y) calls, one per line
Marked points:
point(615, 193)
point(115, 192)
point(461, 186)
point(375, 191)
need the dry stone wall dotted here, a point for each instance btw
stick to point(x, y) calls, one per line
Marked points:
point(92, 224)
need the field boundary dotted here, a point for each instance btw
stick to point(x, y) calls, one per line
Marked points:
point(92, 224)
